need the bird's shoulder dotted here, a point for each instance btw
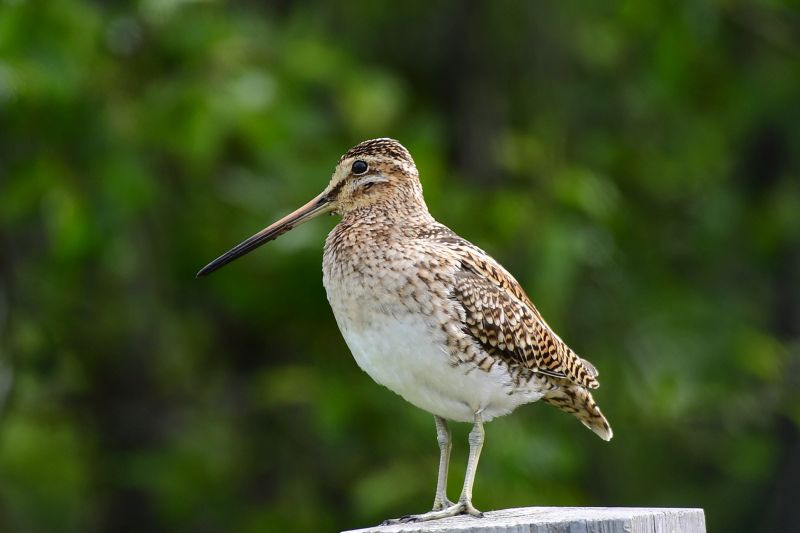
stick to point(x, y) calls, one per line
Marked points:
point(501, 317)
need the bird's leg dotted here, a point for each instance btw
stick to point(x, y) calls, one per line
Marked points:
point(464, 504)
point(475, 446)
point(443, 437)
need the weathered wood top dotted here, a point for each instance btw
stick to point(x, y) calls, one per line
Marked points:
point(563, 520)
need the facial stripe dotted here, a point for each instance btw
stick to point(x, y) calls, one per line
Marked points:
point(336, 189)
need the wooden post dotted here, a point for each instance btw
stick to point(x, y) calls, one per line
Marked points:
point(563, 520)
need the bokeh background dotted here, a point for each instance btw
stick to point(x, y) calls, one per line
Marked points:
point(635, 164)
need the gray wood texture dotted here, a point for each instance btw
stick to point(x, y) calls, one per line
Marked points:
point(563, 520)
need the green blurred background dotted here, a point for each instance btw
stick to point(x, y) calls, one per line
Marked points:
point(634, 164)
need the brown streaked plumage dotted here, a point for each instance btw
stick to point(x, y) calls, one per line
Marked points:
point(430, 315)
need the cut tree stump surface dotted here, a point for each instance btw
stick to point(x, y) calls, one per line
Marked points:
point(563, 520)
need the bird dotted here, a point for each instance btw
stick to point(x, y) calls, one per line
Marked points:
point(429, 315)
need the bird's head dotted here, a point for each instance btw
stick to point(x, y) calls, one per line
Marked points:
point(374, 172)
point(378, 173)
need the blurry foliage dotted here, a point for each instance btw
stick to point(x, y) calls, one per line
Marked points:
point(635, 164)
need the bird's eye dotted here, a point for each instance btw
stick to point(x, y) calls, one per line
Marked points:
point(359, 167)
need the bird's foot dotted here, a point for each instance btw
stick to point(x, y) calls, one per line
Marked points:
point(462, 507)
point(442, 504)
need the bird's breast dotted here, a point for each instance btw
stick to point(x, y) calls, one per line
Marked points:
point(394, 309)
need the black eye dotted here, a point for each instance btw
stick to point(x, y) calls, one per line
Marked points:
point(359, 167)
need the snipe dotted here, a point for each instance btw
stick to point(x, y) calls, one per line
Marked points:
point(430, 315)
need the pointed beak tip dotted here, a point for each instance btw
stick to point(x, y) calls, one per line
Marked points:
point(313, 208)
point(203, 272)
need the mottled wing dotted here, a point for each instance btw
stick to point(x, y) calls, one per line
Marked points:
point(501, 317)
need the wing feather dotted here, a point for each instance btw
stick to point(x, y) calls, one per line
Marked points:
point(503, 320)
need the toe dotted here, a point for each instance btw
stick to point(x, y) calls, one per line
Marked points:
point(470, 509)
point(454, 509)
point(402, 520)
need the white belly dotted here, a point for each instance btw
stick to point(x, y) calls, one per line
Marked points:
point(404, 354)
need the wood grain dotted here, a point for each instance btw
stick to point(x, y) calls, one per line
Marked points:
point(563, 520)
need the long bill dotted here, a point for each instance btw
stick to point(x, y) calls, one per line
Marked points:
point(317, 206)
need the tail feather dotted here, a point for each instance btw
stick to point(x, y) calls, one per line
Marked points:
point(578, 401)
